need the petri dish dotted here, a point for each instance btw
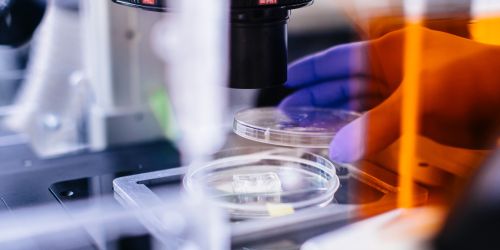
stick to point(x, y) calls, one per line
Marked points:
point(300, 127)
point(255, 183)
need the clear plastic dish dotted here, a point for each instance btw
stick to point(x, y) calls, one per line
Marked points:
point(292, 127)
point(265, 182)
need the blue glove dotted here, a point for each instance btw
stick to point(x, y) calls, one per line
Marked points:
point(457, 97)
point(336, 78)
point(340, 77)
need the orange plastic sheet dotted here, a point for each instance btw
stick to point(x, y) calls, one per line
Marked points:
point(410, 112)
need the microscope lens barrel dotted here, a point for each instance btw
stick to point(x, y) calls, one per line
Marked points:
point(258, 49)
point(259, 42)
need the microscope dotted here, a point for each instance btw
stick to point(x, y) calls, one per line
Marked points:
point(124, 68)
point(258, 35)
point(116, 62)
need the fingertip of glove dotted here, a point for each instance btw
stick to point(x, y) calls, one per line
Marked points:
point(348, 145)
point(297, 99)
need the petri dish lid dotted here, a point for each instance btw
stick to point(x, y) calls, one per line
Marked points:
point(301, 127)
point(253, 183)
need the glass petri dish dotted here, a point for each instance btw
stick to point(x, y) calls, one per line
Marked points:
point(265, 182)
point(292, 127)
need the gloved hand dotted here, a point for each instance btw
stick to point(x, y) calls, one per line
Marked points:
point(460, 91)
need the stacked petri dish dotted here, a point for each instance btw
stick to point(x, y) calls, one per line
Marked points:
point(292, 127)
point(275, 180)
point(265, 182)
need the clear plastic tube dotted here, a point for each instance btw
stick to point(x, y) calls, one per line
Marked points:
point(196, 39)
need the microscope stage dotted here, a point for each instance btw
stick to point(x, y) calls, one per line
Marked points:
point(359, 192)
